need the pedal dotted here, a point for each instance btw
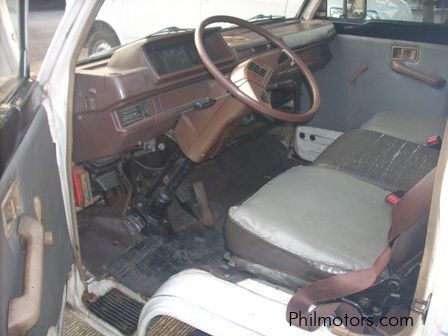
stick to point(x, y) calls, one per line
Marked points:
point(134, 223)
point(184, 195)
point(205, 213)
point(193, 199)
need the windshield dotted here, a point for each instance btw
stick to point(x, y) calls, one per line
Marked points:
point(120, 22)
point(9, 46)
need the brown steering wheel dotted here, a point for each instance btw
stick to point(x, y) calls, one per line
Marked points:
point(251, 89)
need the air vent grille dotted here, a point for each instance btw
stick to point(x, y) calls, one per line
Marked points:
point(132, 114)
point(257, 69)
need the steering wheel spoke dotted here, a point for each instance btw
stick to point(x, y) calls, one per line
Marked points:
point(267, 104)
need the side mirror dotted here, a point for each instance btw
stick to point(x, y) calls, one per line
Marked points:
point(347, 9)
point(356, 9)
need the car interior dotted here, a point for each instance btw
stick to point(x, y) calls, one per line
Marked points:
point(188, 153)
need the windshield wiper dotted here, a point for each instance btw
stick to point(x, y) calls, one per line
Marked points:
point(171, 30)
point(263, 17)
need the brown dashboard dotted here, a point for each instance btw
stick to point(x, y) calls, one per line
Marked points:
point(143, 88)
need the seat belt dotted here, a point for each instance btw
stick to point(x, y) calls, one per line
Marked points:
point(314, 301)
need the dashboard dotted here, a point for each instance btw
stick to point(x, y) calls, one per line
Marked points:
point(142, 89)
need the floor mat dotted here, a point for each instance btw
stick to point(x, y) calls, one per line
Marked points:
point(144, 265)
point(164, 326)
point(103, 236)
point(119, 310)
point(168, 326)
point(236, 174)
point(74, 326)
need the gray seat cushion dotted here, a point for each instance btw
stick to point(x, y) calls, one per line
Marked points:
point(311, 222)
point(416, 128)
point(389, 162)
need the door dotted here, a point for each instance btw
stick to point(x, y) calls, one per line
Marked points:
point(35, 249)
point(383, 62)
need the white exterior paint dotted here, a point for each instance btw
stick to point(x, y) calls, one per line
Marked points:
point(220, 308)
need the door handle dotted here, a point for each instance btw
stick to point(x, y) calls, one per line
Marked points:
point(24, 311)
point(401, 68)
point(359, 72)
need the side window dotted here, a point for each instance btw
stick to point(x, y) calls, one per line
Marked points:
point(427, 11)
point(120, 22)
point(10, 45)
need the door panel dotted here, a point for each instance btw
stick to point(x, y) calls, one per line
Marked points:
point(33, 169)
point(347, 105)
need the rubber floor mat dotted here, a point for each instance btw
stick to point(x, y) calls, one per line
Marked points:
point(238, 173)
point(228, 180)
point(148, 264)
point(118, 310)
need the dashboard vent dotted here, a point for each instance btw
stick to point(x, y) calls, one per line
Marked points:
point(257, 69)
point(132, 114)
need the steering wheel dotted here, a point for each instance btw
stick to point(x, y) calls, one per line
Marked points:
point(250, 80)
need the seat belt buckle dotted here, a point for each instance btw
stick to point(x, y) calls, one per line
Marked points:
point(395, 197)
point(434, 142)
